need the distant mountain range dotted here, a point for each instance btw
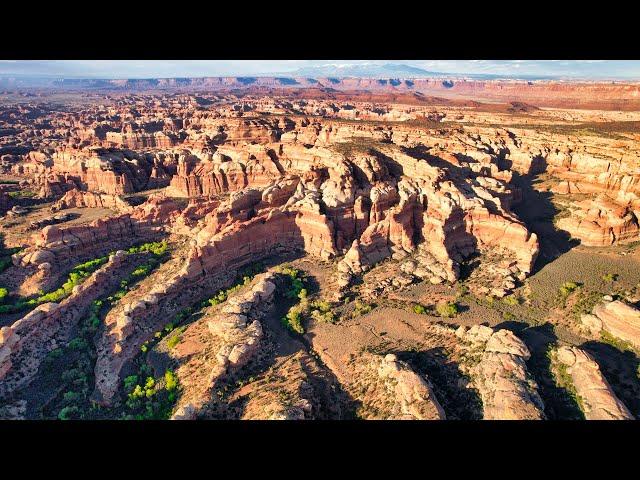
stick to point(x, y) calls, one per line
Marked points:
point(340, 76)
point(363, 70)
point(330, 71)
point(391, 70)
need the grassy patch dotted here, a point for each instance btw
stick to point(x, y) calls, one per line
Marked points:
point(563, 379)
point(22, 194)
point(616, 342)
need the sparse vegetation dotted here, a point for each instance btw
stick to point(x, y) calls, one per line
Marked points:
point(419, 309)
point(293, 319)
point(157, 248)
point(511, 300)
point(447, 309)
point(243, 278)
point(76, 276)
point(152, 399)
point(21, 194)
point(361, 308)
point(567, 288)
point(173, 341)
point(585, 303)
point(563, 378)
point(616, 342)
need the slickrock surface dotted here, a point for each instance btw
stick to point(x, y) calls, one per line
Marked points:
point(620, 320)
point(236, 333)
point(597, 399)
point(601, 222)
point(79, 199)
point(395, 392)
point(508, 392)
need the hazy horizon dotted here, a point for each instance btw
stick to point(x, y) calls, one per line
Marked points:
point(139, 69)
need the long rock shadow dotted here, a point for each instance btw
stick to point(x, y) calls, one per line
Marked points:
point(558, 403)
point(449, 383)
point(537, 211)
point(331, 400)
point(621, 369)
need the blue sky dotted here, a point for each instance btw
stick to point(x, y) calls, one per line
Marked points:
point(596, 69)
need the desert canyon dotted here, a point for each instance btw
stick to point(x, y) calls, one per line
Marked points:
point(296, 248)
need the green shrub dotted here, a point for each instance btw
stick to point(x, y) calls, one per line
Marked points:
point(72, 375)
point(362, 308)
point(173, 341)
point(137, 393)
point(447, 309)
point(511, 300)
point(419, 309)
point(142, 270)
point(293, 320)
point(130, 382)
point(217, 299)
point(3, 294)
point(157, 248)
point(171, 380)
point(68, 412)
point(610, 277)
point(327, 317)
point(91, 265)
point(567, 288)
point(53, 354)
point(76, 277)
point(5, 257)
point(21, 194)
point(92, 322)
point(78, 343)
point(297, 282)
point(321, 305)
point(71, 397)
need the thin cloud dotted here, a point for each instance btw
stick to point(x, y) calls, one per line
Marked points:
point(198, 68)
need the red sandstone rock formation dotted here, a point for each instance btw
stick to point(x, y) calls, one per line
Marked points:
point(59, 246)
point(78, 199)
point(24, 344)
point(601, 222)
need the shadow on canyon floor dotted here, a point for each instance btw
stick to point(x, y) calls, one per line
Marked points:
point(449, 383)
point(621, 369)
point(537, 211)
point(558, 403)
point(330, 400)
